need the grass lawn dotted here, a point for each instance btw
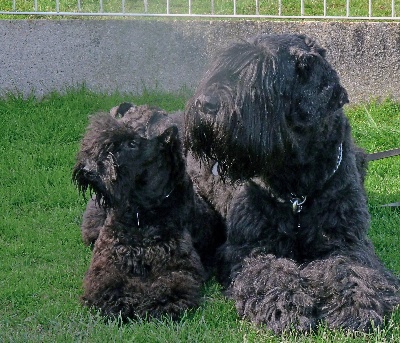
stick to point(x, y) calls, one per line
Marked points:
point(220, 7)
point(42, 259)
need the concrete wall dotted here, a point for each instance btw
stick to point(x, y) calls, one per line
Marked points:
point(127, 55)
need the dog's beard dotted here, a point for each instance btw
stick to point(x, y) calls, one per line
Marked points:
point(97, 179)
point(95, 189)
point(242, 147)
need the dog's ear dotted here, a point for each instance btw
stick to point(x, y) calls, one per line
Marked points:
point(169, 135)
point(120, 110)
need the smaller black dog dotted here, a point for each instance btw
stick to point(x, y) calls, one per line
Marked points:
point(152, 234)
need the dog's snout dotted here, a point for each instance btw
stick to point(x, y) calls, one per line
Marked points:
point(343, 98)
point(89, 172)
point(339, 97)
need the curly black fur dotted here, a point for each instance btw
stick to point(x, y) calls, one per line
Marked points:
point(268, 116)
point(153, 235)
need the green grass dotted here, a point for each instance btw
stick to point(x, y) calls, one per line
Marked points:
point(42, 258)
point(221, 7)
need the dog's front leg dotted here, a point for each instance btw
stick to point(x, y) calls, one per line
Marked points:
point(107, 287)
point(142, 281)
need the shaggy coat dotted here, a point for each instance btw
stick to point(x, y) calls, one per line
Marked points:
point(148, 225)
point(267, 118)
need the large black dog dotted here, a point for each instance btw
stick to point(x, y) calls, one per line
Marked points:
point(267, 117)
point(154, 236)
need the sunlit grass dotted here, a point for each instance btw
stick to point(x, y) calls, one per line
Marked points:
point(43, 260)
point(379, 8)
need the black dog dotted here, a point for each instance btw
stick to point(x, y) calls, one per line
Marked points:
point(147, 223)
point(268, 116)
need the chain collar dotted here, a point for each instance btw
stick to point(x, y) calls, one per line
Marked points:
point(298, 201)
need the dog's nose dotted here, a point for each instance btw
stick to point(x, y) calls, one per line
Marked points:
point(344, 98)
point(338, 98)
point(89, 173)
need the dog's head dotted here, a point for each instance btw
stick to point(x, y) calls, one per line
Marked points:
point(125, 162)
point(263, 101)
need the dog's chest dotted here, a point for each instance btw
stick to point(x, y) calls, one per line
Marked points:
point(140, 255)
point(298, 231)
point(144, 258)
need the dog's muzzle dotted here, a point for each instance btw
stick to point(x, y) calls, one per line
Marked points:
point(89, 174)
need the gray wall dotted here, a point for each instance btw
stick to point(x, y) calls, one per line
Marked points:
point(127, 55)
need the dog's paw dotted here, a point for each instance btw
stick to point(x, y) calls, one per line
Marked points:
point(351, 296)
point(363, 320)
point(279, 310)
point(269, 291)
point(173, 293)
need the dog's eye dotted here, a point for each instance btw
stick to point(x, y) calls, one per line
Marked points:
point(133, 145)
point(208, 104)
